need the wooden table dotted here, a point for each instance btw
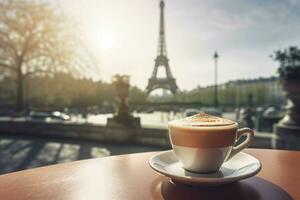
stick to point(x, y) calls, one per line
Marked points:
point(130, 177)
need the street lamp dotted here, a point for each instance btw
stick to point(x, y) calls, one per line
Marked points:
point(216, 57)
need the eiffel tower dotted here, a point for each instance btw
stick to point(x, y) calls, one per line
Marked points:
point(168, 83)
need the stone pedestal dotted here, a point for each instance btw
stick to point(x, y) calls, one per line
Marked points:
point(288, 129)
point(128, 122)
point(287, 137)
point(124, 129)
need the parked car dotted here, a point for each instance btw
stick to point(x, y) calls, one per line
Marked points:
point(273, 112)
point(39, 116)
point(211, 111)
point(57, 115)
point(53, 116)
point(191, 112)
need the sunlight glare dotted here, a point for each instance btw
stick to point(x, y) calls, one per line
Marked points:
point(106, 39)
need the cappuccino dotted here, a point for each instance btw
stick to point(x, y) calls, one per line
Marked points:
point(203, 142)
point(202, 130)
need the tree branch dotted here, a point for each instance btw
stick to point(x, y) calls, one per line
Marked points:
point(36, 71)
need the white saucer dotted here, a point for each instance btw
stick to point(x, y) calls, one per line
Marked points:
point(239, 167)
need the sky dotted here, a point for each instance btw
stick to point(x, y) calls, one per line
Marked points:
point(123, 36)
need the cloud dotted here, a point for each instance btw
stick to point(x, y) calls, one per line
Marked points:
point(293, 2)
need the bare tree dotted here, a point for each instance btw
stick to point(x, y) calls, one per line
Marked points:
point(37, 38)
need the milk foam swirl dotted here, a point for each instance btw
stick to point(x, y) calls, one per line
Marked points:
point(203, 120)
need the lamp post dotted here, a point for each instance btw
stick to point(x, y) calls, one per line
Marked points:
point(216, 57)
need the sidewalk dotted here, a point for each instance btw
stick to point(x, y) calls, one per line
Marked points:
point(18, 153)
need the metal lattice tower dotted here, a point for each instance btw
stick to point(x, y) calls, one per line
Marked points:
point(168, 82)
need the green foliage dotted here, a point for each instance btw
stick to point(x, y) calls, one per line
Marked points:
point(7, 92)
point(63, 90)
point(136, 95)
point(234, 94)
point(289, 60)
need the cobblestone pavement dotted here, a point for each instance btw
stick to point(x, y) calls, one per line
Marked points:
point(18, 153)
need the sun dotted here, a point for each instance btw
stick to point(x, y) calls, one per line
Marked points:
point(106, 39)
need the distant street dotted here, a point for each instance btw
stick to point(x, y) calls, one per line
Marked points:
point(155, 119)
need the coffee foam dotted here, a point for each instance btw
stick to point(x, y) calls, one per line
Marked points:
point(203, 120)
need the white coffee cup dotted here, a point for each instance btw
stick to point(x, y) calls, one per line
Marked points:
point(203, 149)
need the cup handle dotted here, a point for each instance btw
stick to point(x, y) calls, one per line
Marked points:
point(250, 136)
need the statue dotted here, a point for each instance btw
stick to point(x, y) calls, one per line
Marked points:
point(288, 129)
point(122, 118)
